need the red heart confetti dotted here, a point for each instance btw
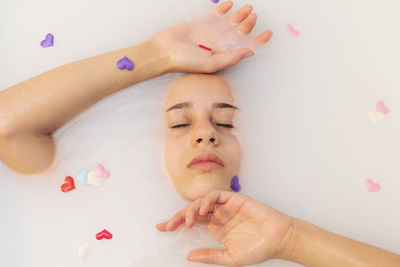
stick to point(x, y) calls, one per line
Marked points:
point(104, 234)
point(68, 184)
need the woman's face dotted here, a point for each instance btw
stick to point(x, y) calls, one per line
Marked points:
point(198, 112)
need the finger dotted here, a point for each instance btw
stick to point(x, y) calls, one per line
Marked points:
point(216, 196)
point(191, 212)
point(211, 256)
point(176, 220)
point(222, 60)
point(260, 40)
point(162, 226)
point(224, 7)
point(248, 24)
point(241, 14)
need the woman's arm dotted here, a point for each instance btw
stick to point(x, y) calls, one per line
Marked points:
point(32, 110)
point(253, 232)
point(43, 103)
point(313, 246)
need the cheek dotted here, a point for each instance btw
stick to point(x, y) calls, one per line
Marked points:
point(173, 150)
point(234, 151)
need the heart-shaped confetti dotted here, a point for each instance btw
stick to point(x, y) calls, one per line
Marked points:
point(215, 1)
point(376, 116)
point(93, 180)
point(371, 186)
point(101, 172)
point(380, 107)
point(48, 41)
point(68, 184)
point(83, 177)
point(83, 250)
point(125, 63)
point(291, 30)
point(235, 184)
point(104, 234)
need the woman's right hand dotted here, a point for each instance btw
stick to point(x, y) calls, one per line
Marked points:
point(251, 231)
point(227, 36)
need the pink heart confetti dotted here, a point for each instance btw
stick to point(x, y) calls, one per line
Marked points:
point(371, 186)
point(101, 172)
point(380, 107)
point(291, 30)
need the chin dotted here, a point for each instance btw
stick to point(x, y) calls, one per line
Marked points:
point(200, 189)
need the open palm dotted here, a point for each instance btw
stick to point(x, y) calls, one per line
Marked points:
point(227, 37)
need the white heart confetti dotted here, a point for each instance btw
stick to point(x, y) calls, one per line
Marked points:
point(93, 180)
point(83, 250)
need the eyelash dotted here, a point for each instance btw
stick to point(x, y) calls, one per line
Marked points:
point(219, 124)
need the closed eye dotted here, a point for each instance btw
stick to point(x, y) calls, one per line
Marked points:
point(218, 124)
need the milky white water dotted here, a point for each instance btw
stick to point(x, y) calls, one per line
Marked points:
point(309, 143)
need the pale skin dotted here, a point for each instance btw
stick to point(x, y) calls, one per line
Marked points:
point(200, 126)
point(252, 232)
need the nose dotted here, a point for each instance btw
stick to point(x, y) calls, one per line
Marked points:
point(205, 134)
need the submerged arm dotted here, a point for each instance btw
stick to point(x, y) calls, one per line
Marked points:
point(313, 246)
point(33, 109)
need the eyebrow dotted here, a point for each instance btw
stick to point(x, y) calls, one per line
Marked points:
point(190, 104)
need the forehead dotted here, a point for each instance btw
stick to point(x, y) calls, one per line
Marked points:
point(201, 89)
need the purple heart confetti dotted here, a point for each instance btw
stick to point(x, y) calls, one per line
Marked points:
point(215, 1)
point(48, 41)
point(125, 63)
point(235, 184)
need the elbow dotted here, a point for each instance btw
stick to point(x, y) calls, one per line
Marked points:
point(27, 154)
point(4, 131)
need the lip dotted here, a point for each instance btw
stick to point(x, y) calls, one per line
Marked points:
point(206, 161)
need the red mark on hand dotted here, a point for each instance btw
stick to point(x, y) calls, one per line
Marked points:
point(205, 47)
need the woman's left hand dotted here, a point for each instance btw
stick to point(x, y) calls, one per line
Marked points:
point(251, 231)
point(227, 37)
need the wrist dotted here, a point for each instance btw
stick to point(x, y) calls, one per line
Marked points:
point(154, 50)
point(289, 246)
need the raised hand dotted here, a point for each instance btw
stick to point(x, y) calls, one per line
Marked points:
point(226, 36)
